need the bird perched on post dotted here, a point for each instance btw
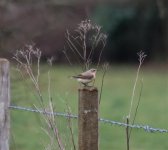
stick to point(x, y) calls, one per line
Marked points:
point(86, 77)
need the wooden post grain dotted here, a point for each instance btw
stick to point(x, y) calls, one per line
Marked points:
point(4, 103)
point(88, 119)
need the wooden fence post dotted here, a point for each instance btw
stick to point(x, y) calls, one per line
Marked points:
point(4, 103)
point(88, 119)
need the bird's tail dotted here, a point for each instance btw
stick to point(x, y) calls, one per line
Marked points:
point(71, 77)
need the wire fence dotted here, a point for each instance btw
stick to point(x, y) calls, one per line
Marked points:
point(146, 128)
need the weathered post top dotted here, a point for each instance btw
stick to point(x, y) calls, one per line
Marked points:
point(88, 118)
point(4, 103)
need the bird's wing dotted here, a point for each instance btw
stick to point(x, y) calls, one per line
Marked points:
point(87, 73)
point(84, 76)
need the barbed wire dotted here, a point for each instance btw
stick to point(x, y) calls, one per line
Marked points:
point(146, 128)
point(66, 115)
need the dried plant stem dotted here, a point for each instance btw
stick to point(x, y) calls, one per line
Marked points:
point(84, 52)
point(94, 44)
point(70, 127)
point(24, 59)
point(74, 48)
point(51, 119)
point(133, 92)
point(69, 61)
point(127, 134)
point(74, 52)
point(100, 55)
point(105, 67)
point(49, 86)
point(52, 124)
point(136, 110)
point(56, 133)
point(141, 60)
point(88, 37)
point(38, 66)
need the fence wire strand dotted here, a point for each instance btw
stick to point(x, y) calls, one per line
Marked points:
point(146, 128)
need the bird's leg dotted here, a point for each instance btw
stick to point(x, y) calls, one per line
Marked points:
point(84, 84)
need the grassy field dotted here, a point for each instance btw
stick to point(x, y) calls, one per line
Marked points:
point(26, 127)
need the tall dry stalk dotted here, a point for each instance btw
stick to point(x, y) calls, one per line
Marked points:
point(136, 110)
point(86, 41)
point(141, 58)
point(70, 126)
point(105, 68)
point(27, 59)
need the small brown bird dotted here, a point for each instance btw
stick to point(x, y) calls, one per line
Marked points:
point(86, 77)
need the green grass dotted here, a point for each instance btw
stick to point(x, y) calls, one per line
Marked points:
point(26, 127)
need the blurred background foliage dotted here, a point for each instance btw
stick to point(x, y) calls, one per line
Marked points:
point(131, 26)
